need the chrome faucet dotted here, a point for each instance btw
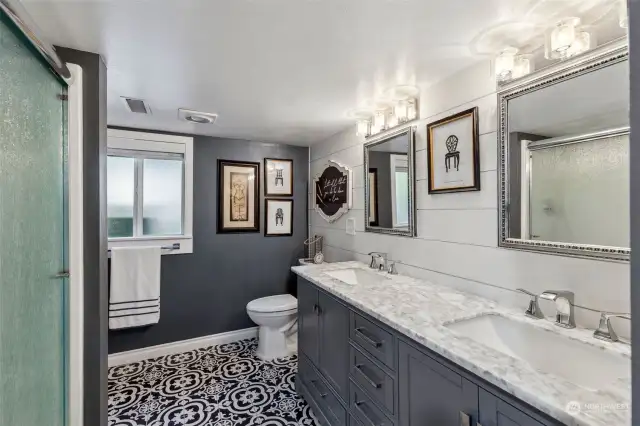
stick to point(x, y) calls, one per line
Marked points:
point(533, 311)
point(564, 307)
point(384, 266)
point(605, 329)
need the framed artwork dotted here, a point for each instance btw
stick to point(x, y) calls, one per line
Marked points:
point(238, 196)
point(373, 196)
point(454, 153)
point(278, 177)
point(278, 217)
point(332, 191)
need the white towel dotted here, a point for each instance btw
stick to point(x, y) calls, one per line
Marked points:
point(134, 298)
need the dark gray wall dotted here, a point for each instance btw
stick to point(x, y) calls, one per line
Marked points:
point(95, 232)
point(634, 42)
point(381, 161)
point(207, 292)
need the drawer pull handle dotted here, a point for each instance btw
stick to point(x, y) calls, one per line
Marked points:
point(315, 385)
point(360, 405)
point(367, 378)
point(360, 331)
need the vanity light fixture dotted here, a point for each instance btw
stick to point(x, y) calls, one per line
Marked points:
point(363, 127)
point(522, 66)
point(585, 40)
point(505, 63)
point(560, 38)
point(396, 106)
point(379, 122)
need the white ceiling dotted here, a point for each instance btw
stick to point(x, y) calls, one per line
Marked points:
point(274, 70)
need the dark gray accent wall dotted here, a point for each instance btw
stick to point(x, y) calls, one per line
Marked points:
point(207, 292)
point(634, 65)
point(95, 232)
point(382, 162)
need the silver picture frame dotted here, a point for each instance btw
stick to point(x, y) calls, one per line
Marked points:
point(377, 140)
point(594, 60)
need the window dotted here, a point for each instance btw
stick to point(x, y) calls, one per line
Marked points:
point(149, 190)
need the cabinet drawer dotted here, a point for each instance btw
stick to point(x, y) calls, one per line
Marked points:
point(321, 393)
point(373, 379)
point(364, 409)
point(374, 339)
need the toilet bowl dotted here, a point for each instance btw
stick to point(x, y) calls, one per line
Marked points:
point(277, 318)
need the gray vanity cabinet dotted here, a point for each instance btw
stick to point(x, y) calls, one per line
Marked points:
point(354, 369)
point(496, 412)
point(431, 394)
point(323, 323)
point(308, 321)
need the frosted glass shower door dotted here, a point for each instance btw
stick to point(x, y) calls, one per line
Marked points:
point(32, 238)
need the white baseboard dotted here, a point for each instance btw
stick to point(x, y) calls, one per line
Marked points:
point(172, 348)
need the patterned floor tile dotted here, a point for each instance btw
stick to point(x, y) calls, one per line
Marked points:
point(225, 385)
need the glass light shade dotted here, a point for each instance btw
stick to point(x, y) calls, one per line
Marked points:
point(412, 109)
point(623, 14)
point(401, 111)
point(523, 65)
point(559, 39)
point(584, 41)
point(504, 63)
point(392, 119)
point(379, 122)
point(362, 128)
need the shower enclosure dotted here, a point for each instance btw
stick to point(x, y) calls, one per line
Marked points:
point(33, 230)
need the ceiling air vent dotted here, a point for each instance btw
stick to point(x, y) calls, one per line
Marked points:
point(137, 105)
point(198, 117)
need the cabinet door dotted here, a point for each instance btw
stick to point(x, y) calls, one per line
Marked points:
point(431, 394)
point(308, 322)
point(334, 343)
point(496, 412)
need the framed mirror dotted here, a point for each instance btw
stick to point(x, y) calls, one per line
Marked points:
point(564, 158)
point(388, 182)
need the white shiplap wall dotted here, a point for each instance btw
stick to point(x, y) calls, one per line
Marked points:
point(457, 234)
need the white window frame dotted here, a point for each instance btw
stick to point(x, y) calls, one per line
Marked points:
point(151, 142)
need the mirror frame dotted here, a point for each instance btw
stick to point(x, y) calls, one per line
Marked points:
point(377, 140)
point(601, 57)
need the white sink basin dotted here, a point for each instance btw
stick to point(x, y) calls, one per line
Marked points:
point(356, 276)
point(546, 351)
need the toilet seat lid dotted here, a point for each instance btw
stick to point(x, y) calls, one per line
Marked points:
point(277, 303)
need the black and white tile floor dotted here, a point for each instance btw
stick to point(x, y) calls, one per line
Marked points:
point(224, 385)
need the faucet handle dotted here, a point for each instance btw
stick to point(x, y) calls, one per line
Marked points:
point(605, 330)
point(374, 259)
point(533, 311)
point(392, 267)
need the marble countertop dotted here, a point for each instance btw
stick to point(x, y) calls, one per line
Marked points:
point(421, 311)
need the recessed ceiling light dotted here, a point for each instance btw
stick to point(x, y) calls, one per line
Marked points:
point(197, 117)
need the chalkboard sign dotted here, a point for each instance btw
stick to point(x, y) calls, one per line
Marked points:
point(332, 191)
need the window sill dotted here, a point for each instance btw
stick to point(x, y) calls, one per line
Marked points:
point(186, 243)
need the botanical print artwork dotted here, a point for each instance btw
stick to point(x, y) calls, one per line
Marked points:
point(225, 385)
point(278, 218)
point(278, 177)
point(239, 197)
point(454, 154)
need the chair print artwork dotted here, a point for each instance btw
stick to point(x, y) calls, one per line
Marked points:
point(279, 177)
point(452, 144)
point(279, 217)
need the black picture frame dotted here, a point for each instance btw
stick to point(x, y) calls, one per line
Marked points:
point(473, 112)
point(374, 190)
point(221, 229)
point(266, 219)
point(266, 171)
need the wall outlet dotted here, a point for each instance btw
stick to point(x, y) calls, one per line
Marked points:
point(351, 226)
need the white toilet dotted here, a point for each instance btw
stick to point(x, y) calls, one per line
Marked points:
point(277, 318)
